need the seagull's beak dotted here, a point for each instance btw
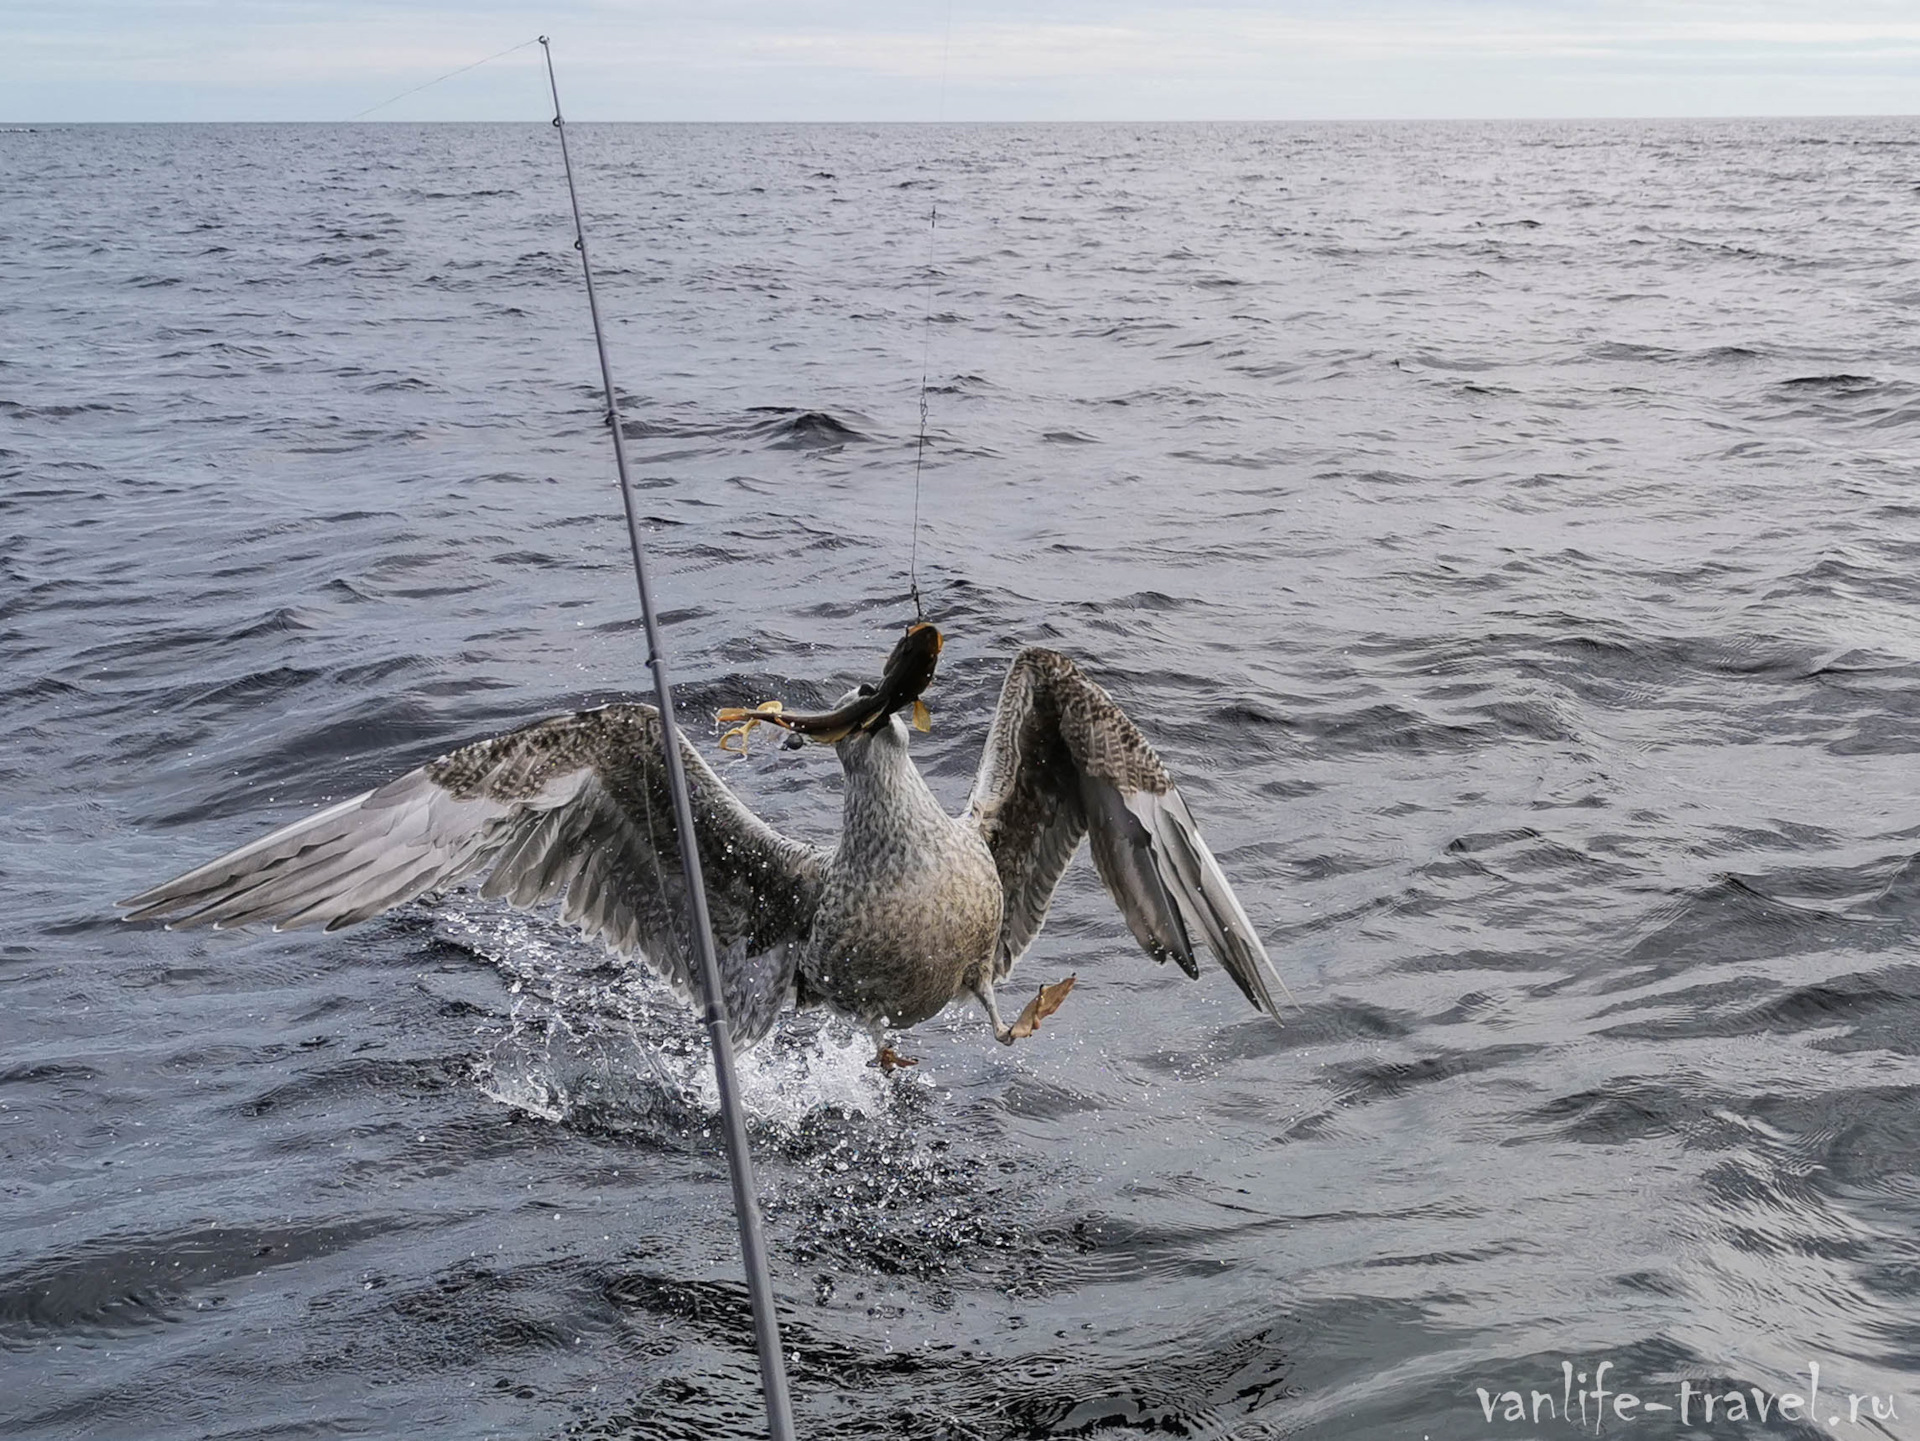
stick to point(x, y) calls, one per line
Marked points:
point(909, 671)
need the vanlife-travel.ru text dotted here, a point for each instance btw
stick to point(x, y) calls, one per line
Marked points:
point(1581, 1403)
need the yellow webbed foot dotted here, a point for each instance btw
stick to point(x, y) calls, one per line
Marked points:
point(890, 1060)
point(1039, 1008)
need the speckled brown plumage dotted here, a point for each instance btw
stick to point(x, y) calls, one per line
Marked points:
point(912, 909)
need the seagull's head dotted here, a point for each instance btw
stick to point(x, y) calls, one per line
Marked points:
point(884, 727)
point(867, 710)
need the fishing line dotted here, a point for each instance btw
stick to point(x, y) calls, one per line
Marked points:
point(926, 342)
point(746, 1205)
point(448, 76)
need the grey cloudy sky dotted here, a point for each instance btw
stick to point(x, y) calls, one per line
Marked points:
point(863, 60)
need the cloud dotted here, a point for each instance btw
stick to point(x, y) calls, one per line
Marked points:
point(849, 59)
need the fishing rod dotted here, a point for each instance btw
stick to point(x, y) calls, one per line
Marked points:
point(746, 1205)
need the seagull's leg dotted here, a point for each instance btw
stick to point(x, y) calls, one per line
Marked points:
point(885, 1057)
point(982, 988)
point(1037, 1010)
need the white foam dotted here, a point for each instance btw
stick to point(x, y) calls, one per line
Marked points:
point(586, 1043)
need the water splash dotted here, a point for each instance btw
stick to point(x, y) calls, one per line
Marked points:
point(595, 1043)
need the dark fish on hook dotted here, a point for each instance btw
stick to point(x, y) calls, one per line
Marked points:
point(908, 672)
point(913, 909)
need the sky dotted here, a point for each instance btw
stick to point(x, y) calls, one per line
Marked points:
point(958, 60)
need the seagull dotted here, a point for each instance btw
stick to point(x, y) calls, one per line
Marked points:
point(911, 911)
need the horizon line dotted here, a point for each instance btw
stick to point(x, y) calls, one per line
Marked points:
point(18, 126)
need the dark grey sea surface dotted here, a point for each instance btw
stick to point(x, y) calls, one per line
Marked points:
point(1508, 533)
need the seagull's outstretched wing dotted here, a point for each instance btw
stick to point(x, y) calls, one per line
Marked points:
point(575, 807)
point(1063, 761)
